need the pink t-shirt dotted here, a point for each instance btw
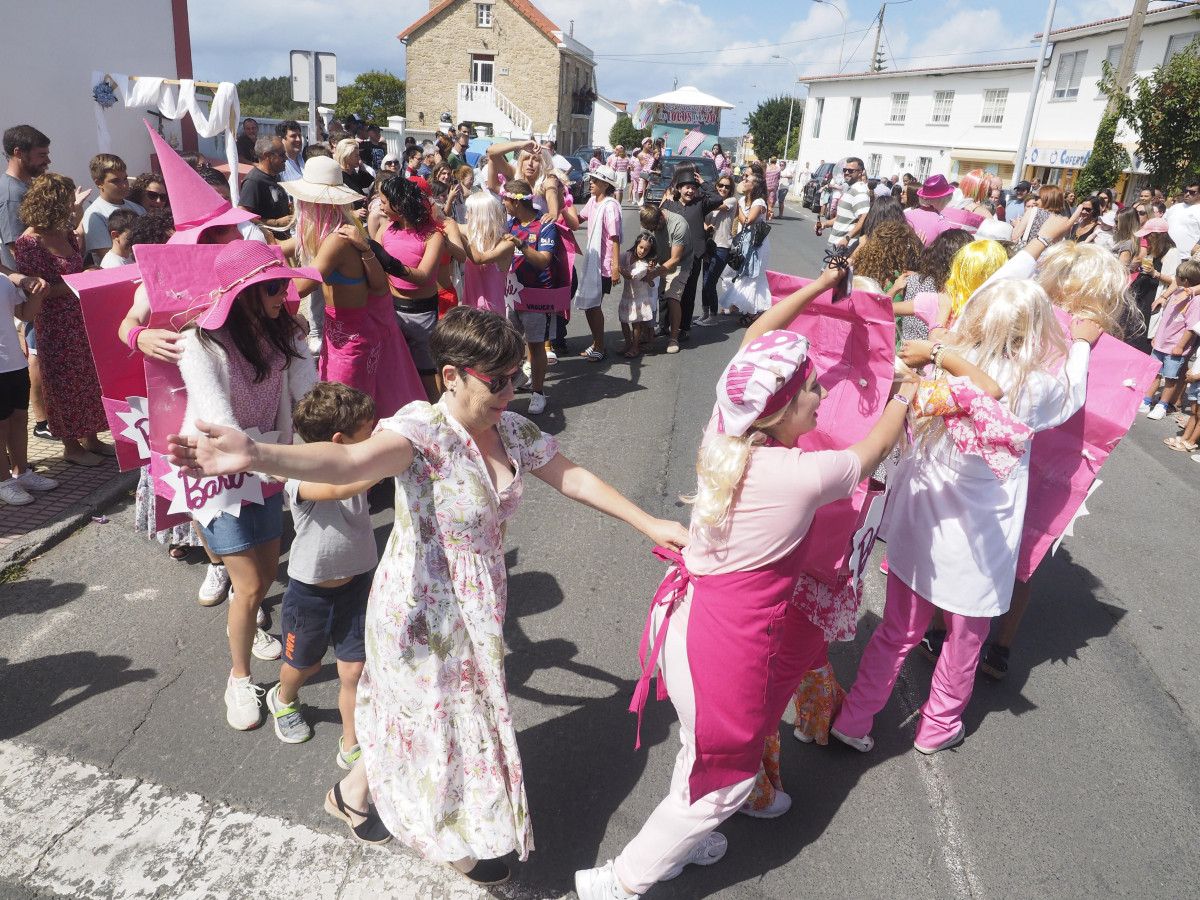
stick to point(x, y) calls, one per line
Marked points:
point(610, 229)
point(1181, 313)
point(928, 224)
point(781, 489)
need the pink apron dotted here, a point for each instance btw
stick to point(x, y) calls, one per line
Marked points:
point(364, 349)
point(748, 648)
point(483, 287)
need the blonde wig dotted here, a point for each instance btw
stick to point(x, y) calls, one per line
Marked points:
point(1086, 280)
point(342, 151)
point(485, 221)
point(317, 221)
point(971, 267)
point(546, 168)
point(1009, 331)
point(720, 468)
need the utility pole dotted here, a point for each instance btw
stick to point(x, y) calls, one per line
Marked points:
point(1023, 143)
point(875, 66)
point(1128, 52)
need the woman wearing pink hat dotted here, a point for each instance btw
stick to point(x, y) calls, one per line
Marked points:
point(1154, 273)
point(729, 645)
point(245, 363)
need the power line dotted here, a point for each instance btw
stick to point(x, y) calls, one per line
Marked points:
point(634, 56)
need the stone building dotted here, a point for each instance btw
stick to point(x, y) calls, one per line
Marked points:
point(502, 64)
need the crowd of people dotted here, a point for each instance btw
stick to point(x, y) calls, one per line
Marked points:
point(436, 289)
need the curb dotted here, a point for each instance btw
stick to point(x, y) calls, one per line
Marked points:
point(36, 542)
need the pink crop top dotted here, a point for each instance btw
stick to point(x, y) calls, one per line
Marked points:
point(407, 246)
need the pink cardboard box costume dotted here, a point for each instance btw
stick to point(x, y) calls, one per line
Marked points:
point(548, 300)
point(105, 296)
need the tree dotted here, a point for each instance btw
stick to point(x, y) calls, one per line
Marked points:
point(373, 95)
point(270, 98)
point(769, 122)
point(880, 62)
point(625, 134)
point(1164, 111)
point(1108, 159)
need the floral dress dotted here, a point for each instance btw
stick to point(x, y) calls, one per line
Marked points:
point(69, 381)
point(432, 713)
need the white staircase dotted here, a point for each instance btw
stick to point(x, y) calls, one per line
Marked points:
point(483, 103)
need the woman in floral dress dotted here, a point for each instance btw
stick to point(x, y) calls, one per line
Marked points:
point(50, 249)
point(439, 749)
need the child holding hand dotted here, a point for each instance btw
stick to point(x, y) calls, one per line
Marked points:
point(1174, 339)
point(330, 567)
point(636, 310)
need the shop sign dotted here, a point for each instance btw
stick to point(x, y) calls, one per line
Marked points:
point(683, 114)
point(1061, 158)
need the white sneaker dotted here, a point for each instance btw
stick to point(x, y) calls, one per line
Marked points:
point(265, 646)
point(537, 403)
point(216, 585)
point(711, 849)
point(1144, 408)
point(1158, 412)
point(32, 481)
point(779, 805)
point(862, 744)
point(243, 706)
point(600, 884)
point(13, 494)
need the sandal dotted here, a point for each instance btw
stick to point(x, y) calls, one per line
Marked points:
point(178, 551)
point(370, 831)
point(747, 319)
point(485, 872)
point(1178, 443)
point(631, 353)
point(591, 354)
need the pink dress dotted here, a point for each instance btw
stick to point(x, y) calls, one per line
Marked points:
point(483, 287)
point(364, 349)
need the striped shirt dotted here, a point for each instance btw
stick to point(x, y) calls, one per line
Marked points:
point(854, 203)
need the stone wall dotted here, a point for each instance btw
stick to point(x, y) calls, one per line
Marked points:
point(439, 59)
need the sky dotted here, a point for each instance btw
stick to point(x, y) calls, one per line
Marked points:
point(641, 46)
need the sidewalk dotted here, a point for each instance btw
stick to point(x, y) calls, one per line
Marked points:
point(26, 530)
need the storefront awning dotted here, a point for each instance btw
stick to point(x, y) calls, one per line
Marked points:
point(991, 156)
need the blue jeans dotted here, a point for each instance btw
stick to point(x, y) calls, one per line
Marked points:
point(712, 277)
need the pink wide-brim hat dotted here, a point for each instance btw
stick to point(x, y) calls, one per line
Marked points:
point(243, 264)
point(934, 187)
point(195, 206)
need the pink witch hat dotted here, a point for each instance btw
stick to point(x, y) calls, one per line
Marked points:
point(194, 204)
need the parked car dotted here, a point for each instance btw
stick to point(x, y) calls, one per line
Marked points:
point(812, 190)
point(656, 183)
point(580, 178)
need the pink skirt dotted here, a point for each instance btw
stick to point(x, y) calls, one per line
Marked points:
point(364, 349)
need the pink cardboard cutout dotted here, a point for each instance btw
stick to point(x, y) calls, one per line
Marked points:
point(1065, 460)
point(178, 279)
point(551, 300)
point(853, 348)
point(105, 296)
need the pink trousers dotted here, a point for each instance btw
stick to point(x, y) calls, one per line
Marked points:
point(906, 615)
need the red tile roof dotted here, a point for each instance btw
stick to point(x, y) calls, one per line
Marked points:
point(992, 65)
point(525, 8)
point(1149, 13)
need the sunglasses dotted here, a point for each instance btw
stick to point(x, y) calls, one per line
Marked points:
point(274, 286)
point(1192, 192)
point(394, 164)
point(495, 383)
point(723, 184)
point(850, 171)
point(156, 195)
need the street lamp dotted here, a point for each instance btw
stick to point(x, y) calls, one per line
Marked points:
point(842, 48)
point(795, 77)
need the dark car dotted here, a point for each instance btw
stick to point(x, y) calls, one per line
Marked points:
point(658, 181)
point(580, 177)
point(811, 198)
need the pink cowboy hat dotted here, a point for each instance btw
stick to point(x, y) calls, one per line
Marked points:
point(242, 264)
point(194, 204)
point(934, 187)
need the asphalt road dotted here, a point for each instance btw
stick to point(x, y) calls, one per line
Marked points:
point(1078, 778)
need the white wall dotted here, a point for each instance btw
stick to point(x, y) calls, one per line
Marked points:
point(604, 117)
point(47, 64)
point(917, 136)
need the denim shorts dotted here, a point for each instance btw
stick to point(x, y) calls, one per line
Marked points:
point(313, 616)
point(1172, 366)
point(256, 525)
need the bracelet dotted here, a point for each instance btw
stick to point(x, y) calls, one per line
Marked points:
point(1045, 243)
point(901, 398)
point(934, 351)
point(131, 338)
point(368, 255)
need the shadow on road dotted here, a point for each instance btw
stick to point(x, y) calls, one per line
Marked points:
point(35, 596)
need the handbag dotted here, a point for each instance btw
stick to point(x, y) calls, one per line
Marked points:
point(1152, 325)
point(758, 231)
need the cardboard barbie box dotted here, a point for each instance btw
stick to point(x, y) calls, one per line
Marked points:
point(547, 300)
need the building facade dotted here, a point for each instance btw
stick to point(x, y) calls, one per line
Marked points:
point(943, 121)
point(1070, 104)
point(502, 64)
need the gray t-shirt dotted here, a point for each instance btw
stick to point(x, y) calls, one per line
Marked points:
point(333, 537)
point(12, 192)
point(95, 223)
point(674, 233)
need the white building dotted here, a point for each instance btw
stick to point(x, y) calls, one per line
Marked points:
point(56, 97)
point(604, 116)
point(944, 121)
point(1070, 104)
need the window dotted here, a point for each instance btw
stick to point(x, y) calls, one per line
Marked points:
point(483, 69)
point(994, 101)
point(899, 108)
point(483, 15)
point(1179, 42)
point(817, 117)
point(1069, 74)
point(1114, 59)
point(942, 101)
point(852, 126)
point(873, 165)
point(924, 164)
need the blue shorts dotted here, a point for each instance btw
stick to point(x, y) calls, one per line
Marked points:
point(1172, 366)
point(312, 616)
point(256, 525)
point(1193, 391)
point(30, 339)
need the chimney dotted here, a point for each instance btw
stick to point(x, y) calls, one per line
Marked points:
point(571, 29)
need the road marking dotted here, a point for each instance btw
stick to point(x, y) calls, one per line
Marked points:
point(73, 829)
